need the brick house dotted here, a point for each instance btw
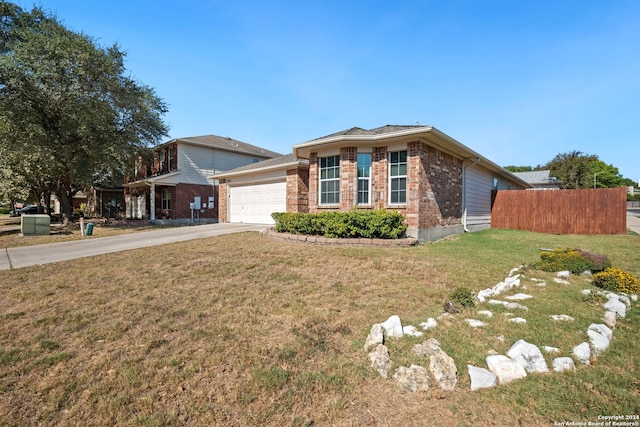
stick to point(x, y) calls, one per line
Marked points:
point(441, 186)
point(166, 186)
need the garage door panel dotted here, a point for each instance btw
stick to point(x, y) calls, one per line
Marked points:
point(255, 203)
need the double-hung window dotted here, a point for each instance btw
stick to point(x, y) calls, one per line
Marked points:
point(398, 177)
point(329, 180)
point(162, 160)
point(364, 178)
point(166, 198)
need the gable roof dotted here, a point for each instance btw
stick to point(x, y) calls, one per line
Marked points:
point(226, 144)
point(281, 162)
point(396, 134)
point(376, 131)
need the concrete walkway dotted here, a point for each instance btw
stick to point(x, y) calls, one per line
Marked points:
point(26, 256)
point(633, 220)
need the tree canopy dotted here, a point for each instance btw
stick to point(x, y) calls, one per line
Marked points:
point(576, 169)
point(69, 112)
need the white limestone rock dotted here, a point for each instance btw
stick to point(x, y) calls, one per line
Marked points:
point(602, 329)
point(586, 292)
point(505, 369)
point(561, 318)
point(549, 349)
point(474, 323)
point(561, 364)
point(599, 342)
point(561, 281)
point(393, 327)
point(616, 306)
point(429, 324)
point(427, 348)
point(443, 369)
point(381, 360)
point(412, 379)
point(517, 320)
point(610, 318)
point(376, 336)
point(563, 274)
point(516, 306)
point(486, 313)
point(481, 378)
point(582, 352)
point(513, 281)
point(625, 299)
point(528, 356)
point(514, 271)
point(518, 297)
point(484, 294)
point(411, 331)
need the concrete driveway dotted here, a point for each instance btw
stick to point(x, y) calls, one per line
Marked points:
point(90, 246)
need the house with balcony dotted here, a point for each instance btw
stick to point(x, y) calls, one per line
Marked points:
point(176, 183)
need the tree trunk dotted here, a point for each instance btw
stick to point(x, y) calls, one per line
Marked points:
point(66, 208)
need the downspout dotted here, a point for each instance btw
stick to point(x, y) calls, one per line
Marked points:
point(464, 194)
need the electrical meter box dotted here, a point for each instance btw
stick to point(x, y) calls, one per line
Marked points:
point(35, 225)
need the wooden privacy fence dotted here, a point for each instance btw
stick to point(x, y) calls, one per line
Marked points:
point(592, 211)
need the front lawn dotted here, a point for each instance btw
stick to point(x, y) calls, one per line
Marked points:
point(247, 330)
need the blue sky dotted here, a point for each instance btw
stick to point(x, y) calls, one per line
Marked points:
point(518, 82)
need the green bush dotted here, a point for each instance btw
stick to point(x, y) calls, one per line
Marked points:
point(617, 280)
point(376, 224)
point(5, 211)
point(573, 260)
point(462, 297)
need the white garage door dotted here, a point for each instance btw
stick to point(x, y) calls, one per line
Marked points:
point(254, 204)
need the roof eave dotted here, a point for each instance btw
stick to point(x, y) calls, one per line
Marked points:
point(306, 148)
point(224, 175)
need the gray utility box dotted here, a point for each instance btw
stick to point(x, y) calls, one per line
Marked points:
point(35, 225)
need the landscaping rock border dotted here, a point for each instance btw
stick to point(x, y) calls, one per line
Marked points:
point(521, 359)
point(321, 240)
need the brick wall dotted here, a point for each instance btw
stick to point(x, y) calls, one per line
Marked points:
point(185, 193)
point(298, 190)
point(221, 201)
point(348, 177)
point(435, 187)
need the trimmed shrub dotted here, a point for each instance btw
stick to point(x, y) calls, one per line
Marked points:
point(377, 224)
point(617, 280)
point(573, 260)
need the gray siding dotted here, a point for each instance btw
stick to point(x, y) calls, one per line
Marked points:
point(477, 191)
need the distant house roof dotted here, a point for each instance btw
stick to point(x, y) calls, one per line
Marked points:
point(226, 144)
point(265, 165)
point(539, 178)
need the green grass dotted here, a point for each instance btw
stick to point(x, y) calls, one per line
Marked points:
point(246, 330)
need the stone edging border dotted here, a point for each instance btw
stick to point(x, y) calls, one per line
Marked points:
point(302, 238)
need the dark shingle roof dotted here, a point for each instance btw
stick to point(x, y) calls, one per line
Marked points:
point(228, 144)
point(376, 131)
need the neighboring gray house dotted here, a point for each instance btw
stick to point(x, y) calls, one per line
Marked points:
point(540, 180)
point(441, 186)
point(180, 171)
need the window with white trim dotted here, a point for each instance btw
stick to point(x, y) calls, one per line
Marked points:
point(364, 178)
point(398, 177)
point(329, 180)
point(166, 198)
